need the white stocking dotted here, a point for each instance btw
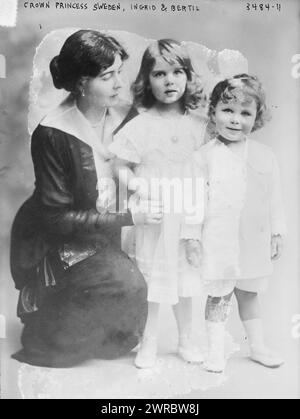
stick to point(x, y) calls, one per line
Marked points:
point(151, 328)
point(183, 314)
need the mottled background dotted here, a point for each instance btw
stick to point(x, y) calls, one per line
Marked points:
point(268, 39)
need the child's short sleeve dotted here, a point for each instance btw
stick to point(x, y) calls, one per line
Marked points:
point(278, 222)
point(128, 143)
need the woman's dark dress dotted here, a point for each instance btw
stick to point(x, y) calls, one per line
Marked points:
point(81, 297)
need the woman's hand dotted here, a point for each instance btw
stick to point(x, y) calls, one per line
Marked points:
point(140, 188)
point(107, 197)
point(145, 211)
point(276, 246)
point(193, 252)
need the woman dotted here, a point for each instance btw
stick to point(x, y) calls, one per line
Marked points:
point(80, 296)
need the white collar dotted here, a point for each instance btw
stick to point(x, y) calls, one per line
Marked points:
point(245, 153)
point(67, 117)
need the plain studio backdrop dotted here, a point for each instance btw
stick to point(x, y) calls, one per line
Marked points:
point(268, 39)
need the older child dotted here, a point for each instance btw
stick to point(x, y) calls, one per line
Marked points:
point(158, 145)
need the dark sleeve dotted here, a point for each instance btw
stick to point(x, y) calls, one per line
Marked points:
point(54, 191)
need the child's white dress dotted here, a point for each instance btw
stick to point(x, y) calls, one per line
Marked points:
point(165, 154)
point(244, 209)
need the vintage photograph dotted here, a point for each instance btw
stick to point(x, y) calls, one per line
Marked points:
point(149, 176)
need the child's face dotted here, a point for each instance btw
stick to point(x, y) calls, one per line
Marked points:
point(167, 81)
point(235, 120)
point(103, 90)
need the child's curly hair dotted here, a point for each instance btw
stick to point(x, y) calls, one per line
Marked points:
point(245, 87)
point(174, 53)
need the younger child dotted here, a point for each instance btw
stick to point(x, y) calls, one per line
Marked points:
point(158, 145)
point(244, 224)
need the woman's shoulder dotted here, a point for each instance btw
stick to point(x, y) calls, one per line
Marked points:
point(44, 133)
point(51, 141)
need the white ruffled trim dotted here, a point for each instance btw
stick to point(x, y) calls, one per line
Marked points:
point(123, 148)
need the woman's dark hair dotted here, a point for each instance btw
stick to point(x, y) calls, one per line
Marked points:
point(245, 87)
point(174, 53)
point(86, 53)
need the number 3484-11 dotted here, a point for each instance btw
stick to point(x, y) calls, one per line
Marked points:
point(263, 7)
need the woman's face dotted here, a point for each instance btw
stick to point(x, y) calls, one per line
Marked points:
point(167, 81)
point(103, 90)
point(235, 120)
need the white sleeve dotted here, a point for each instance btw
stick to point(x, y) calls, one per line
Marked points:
point(278, 222)
point(195, 198)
